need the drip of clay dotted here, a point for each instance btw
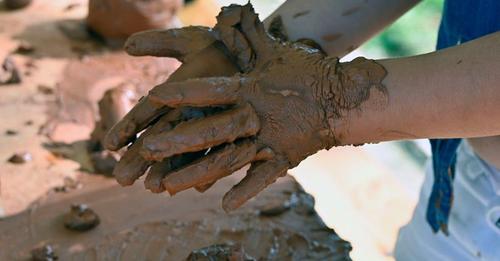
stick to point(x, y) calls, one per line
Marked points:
point(118, 19)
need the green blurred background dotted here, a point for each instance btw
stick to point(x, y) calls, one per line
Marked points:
point(413, 33)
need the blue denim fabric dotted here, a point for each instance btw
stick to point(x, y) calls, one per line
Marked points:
point(462, 21)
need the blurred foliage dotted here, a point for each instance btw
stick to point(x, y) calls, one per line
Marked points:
point(413, 33)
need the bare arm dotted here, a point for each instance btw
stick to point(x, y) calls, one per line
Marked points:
point(338, 26)
point(450, 93)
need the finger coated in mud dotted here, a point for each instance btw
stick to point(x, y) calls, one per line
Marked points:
point(202, 65)
point(245, 20)
point(199, 92)
point(134, 121)
point(200, 134)
point(131, 165)
point(254, 31)
point(204, 187)
point(259, 176)
point(176, 43)
point(214, 166)
point(158, 171)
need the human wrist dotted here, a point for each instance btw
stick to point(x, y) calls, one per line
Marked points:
point(351, 94)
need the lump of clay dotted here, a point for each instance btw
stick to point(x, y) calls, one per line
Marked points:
point(16, 4)
point(118, 19)
point(81, 218)
point(20, 158)
point(43, 253)
point(220, 252)
point(9, 74)
point(113, 106)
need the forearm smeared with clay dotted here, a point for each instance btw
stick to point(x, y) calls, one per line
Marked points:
point(452, 93)
point(338, 26)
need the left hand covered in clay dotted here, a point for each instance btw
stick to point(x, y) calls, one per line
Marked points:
point(278, 111)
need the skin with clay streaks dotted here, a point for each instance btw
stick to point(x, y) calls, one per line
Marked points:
point(281, 108)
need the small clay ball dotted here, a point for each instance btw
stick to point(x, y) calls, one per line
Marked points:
point(11, 132)
point(16, 4)
point(118, 19)
point(20, 158)
point(43, 253)
point(81, 218)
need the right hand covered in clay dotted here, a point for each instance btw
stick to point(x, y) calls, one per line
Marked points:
point(282, 108)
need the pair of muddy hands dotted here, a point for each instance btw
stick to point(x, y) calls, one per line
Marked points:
point(241, 97)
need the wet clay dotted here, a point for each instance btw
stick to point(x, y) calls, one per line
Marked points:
point(78, 95)
point(292, 95)
point(131, 16)
point(171, 228)
point(81, 218)
point(113, 106)
point(20, 158)
point(222, 252)
point(44, 253)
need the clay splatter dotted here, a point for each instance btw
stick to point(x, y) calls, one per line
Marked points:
point(299, 14)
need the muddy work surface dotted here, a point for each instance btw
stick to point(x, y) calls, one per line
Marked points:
point(52, 206)
point(280, 224)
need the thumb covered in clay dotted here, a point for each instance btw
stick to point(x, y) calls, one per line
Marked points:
point(176, 43)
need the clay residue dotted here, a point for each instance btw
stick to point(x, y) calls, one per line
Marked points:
point(115, 103)
point(349, 87)
point(81, 218)
point(220, 252)
point(312, 44)
point(159, 228)
point(131, 16)
point(299, 14)
point(331, 37)
point(85, 82)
